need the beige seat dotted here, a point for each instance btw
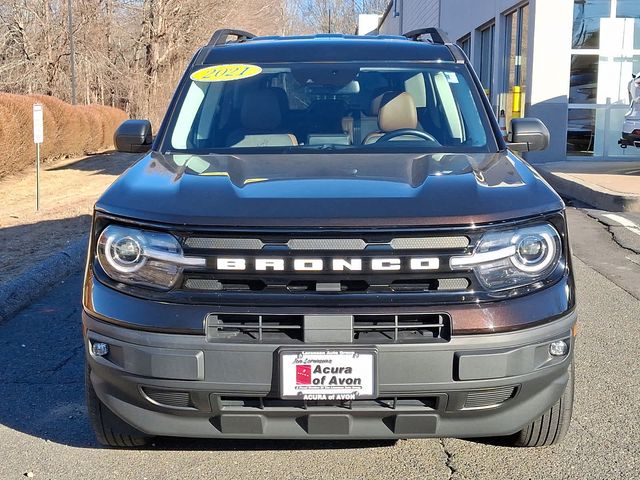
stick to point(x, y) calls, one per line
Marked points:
point(261, 120)
point(397, 111)
point(359, 124)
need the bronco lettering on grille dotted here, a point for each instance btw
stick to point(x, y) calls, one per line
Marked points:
point(332, 265)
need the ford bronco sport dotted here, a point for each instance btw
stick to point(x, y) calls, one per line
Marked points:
point(329, 238)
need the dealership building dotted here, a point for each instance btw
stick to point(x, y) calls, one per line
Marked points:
point(567, 62)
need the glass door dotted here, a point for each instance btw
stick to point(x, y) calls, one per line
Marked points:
point(605, 54)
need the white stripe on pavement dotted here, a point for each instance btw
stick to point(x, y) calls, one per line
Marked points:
point(626, 223)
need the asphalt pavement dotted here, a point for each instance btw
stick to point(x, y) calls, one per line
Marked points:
point(44, 429)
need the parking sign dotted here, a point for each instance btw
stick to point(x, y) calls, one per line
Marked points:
point(38, 124)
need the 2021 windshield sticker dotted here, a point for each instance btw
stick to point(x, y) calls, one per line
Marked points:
point(226, 73)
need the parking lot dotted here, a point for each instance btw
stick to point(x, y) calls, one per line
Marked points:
point(44, 428)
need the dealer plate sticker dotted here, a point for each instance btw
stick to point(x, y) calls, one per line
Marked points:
point(328, 375)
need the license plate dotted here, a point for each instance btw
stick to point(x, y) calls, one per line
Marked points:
point(328, 374)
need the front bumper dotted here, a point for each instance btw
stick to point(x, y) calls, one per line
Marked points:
point(470, 386)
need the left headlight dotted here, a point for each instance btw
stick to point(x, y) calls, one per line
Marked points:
point(513, 258)
point(140, 257)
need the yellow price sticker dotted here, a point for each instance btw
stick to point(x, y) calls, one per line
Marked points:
point(225, 73)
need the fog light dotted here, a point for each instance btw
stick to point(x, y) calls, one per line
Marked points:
point(559, 348)
point(100, 349)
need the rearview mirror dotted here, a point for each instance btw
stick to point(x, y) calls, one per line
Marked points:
point(133, 136)
point(528, 135)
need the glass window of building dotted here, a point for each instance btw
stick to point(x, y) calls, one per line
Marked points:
point(605, 55)
point(587, 15)
point(583, 83)
point(581, 132)
point(487, 36)
point(465, 45)
point(630, 9)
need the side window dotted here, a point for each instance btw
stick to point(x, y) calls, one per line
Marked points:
point(194, 125)
point(443, 82)
point(190, 106)
point(415, 87)
point(209, 111)
point(459, 109)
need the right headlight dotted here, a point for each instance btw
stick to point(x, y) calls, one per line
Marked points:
point(142, 257)
point(513, 258)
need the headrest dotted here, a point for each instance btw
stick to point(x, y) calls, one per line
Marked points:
point(283, 98)
point(261, 110)
point(373, 108)
point(397, 111)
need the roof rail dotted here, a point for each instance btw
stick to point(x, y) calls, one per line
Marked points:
point(437, 35)
point(219, 37)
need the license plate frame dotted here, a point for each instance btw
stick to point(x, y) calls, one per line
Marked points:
point(291, 390)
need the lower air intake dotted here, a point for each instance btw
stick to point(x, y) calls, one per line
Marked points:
point(490, 397)
point(168, 398)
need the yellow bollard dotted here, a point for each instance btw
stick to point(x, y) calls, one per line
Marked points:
point(517, 100)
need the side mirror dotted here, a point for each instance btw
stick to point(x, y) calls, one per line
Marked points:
point(528, 135)
point(133, 136)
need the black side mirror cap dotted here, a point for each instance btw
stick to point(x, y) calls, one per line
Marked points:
point(528, 135)
point(133, 136)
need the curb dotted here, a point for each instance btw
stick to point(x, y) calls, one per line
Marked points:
point(31, 284)
point(593, 195)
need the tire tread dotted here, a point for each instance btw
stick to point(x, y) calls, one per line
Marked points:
point(551, 427)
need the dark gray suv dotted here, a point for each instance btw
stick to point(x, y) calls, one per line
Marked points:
point(328, 237)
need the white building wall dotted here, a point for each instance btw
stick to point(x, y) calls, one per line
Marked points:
point(420, 14)
point(407, 15)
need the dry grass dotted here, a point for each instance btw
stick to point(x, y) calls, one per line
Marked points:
point(68, 130)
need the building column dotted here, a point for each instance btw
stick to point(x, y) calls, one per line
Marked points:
point(548, 71)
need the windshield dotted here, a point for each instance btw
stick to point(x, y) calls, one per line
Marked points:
point(318, 107)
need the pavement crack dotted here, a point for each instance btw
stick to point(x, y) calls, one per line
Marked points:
point(611, 232)
point(65, 361)
point(448, 459)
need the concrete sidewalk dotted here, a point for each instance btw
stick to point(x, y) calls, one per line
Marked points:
point(612, 186)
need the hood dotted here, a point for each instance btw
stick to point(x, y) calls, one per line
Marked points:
point(329, 190)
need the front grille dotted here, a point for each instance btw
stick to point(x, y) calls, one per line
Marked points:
point(255, 328)
point(330, 244)
point(490, 397)
point(347, 266)
point(212, 284)
point(390, 403)
point(364, 329)
point(400, 328)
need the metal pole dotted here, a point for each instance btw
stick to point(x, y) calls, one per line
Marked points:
point(72, 52)
point(37, 176)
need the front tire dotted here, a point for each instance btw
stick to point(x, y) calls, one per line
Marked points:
point(110, 430)
point(553, 425)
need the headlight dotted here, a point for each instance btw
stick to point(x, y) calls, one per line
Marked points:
point(513, 258)
point(140, 257)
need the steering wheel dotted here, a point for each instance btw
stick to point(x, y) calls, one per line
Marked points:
point(407, 131)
